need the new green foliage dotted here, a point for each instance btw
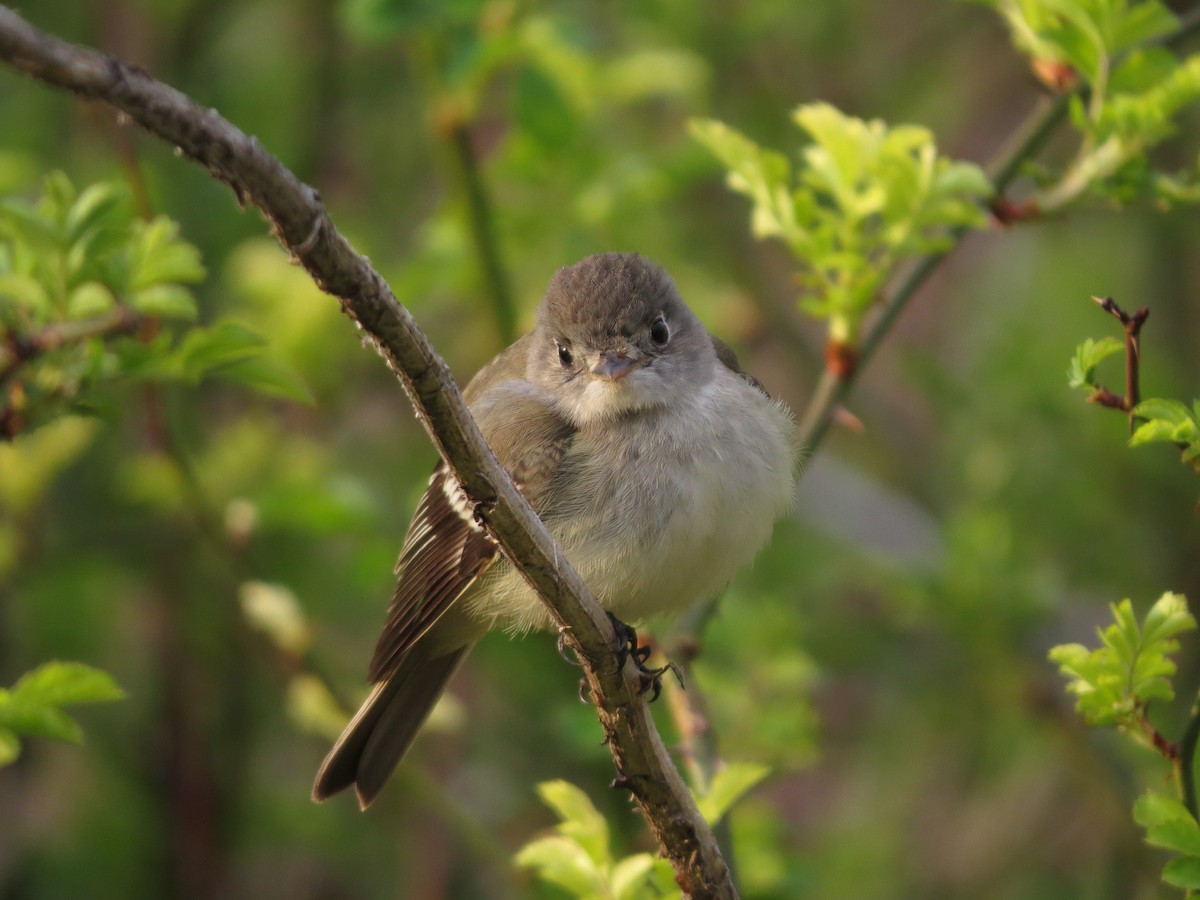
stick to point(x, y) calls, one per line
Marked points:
point(1169, 825)
point(1134, 89)
point(1115, 682)
point(1170, 421)
point(579, 857)
point(1088, 356)
point(91, 294)
point(862, 198)
point(33, 706)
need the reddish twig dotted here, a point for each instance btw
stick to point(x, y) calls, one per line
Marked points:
point(1132, 325)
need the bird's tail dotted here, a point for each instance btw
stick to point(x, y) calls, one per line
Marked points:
point(384, 727)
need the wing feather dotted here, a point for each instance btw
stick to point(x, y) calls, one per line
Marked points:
point(445, 549)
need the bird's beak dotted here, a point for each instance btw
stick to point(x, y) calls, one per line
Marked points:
point(614, 366)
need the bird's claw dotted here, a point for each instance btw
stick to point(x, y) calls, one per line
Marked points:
point(628, 647)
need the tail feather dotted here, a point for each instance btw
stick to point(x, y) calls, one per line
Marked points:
point(384, 727)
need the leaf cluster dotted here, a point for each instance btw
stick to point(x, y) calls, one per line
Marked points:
point(1115, 682)
point(1169, 825)
point(1170, 421)
point(1134, 89)
point(579, 858)
point(863, 197)
point(90, 293)
point(33, 706)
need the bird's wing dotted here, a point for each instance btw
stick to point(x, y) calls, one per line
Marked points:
point(729, 359)
point(446, 548)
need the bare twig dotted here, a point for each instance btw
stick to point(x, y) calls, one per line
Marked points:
point(302, 224)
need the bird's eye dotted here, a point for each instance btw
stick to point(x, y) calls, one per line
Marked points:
point(659, 332)
point(564, 356)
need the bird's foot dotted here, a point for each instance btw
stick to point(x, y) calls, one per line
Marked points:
point(651, 678)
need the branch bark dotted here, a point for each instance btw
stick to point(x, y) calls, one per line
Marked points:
point(301, 223)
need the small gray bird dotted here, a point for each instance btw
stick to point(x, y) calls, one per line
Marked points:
point(658, 465)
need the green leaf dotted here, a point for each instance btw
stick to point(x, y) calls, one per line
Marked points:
point(24, 223)
point(562, 861)
point(1088, 356)
point(728, 786)
point(97, 203)
point(1167, 420)
point(170, 301)
point(204, 350)
point(89, 299)
point(38, 721)
point(161, 257)
point(58, 197)
point(1153, 808)
point(865, 197)
point(24, 292)
point(268, 376)
point(628, 879)
point(31, 707)
point(1114, 683)
point(1183, 872)
point(65, 683)
point(580, 821)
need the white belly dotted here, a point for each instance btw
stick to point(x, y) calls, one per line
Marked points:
point(674, 520)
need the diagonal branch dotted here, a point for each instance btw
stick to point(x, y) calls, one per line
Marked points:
point(303, 226)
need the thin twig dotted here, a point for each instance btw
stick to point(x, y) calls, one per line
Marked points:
point(483, 232)
point(302, 224)
point(1131, 324)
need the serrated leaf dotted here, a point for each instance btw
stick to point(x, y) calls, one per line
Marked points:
point(1153, 808)
point(1168, 617)
point(204, 350)
point(65, 683)
point(1183, 872)
point(1142, 22)
point(1114, 682)
point(1180, 835)
point(580, 820)
point(1088, 356)
point(564, 862)
point(728, 786)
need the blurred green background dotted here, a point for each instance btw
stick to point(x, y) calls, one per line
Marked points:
point(885, 656)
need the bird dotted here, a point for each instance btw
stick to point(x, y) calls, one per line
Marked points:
point(659, 466)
